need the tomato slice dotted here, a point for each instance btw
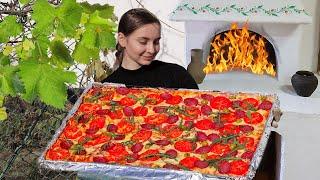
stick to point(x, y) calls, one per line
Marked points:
point(229, 117)
point(249, 103)
point(185, 146)
point(118, 149)
point(204, 124)
point(88, 107)
point(107, 96)
point(239, 167)
point(189, 162)
point(248, 142)
point(153, 99)
point(58, 154)
point(156, 119)
point(191, 113)
point(125, 127)
point(98, 140)
point(97, 123)
point(220, 102)
point(117, 114)
point(150, 155)
point(72, 132)
point(171, 131)
point(254, 118)
point(126, 101)
point(229, 129)
point(213, 156)
point(140, 111)
point(141, 136)
point(220, 149)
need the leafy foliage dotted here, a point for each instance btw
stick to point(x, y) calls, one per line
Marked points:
point(46, 82)
point(9, 27)
point(3, 113)
point(34, 61)
point(105, 11)
point(7, 80)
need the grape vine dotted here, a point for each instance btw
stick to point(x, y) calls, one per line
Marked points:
point(34, 55)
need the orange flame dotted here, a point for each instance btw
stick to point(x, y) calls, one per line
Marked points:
point(239, 49)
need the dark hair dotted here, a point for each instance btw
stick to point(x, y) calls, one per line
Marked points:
point(129, 22)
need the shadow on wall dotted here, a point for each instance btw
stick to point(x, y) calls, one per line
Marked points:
point(269, 168)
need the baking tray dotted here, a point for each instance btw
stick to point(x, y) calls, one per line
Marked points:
point(133, 172)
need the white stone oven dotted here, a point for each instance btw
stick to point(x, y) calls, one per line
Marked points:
point(278, 21)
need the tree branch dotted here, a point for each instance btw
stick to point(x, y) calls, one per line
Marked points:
point(19, 13)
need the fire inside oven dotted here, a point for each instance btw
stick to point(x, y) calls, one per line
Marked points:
point(241, 49)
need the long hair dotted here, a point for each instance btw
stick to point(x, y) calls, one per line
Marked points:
point(131, 21)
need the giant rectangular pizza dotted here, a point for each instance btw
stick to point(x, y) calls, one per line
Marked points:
point(212, 133)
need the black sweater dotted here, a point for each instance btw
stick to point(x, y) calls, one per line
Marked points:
point(157, 74)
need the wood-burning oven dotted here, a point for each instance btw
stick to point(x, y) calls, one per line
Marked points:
point(277, 21)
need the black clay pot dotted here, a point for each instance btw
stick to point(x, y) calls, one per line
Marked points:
point(304, 83)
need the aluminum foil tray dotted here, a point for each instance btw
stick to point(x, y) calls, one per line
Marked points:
point(114, 171)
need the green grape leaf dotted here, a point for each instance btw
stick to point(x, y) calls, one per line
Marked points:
point(18, 86)
point(4, 60)
point(96, 19)
point(1, 100)
point(89, 36)
point(7, 50)
point(41, 44)
point(44, 15)
point(20, 52)
point(84, 18)
point(24, 49)
point(105, 11)
point(27, 45)
point(3, 114)
point(24, 1)
point(9, 27)
point(83, 55)
point(47, 82)
point(60, 51)
point(112, 24)
point(69, 16)
point(78, 34)
point(98, 35)
point(105, 39)
point(7, 74)
point(58, 62)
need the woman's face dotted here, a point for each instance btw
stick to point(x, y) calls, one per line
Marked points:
point(141, 46)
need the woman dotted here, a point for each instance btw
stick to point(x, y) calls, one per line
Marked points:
point(139, 33)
